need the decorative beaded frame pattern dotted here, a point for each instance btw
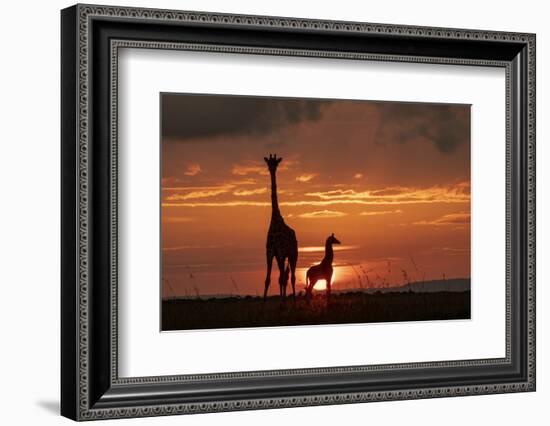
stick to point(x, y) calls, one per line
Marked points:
point(85, 14)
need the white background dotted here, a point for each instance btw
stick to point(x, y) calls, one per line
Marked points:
point(146, 352)
point(29, 225)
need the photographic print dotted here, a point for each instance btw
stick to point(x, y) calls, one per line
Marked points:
point(297, 211)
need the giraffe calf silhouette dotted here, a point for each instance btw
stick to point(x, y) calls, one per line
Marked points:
point(322, 271)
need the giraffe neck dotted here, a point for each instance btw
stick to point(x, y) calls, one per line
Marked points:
point(275, 212)
point(329, 253)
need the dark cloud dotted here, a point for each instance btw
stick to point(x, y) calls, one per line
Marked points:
point(186, 116)
point(446, 126)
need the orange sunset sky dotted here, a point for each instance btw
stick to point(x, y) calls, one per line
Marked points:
point(390, 180)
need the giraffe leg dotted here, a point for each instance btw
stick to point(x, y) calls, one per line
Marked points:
point(309, 289)
point(282, 285)
point(268, 276)
point(292, 263)
point(281, 265)
point(329, 283)
point(309, 286)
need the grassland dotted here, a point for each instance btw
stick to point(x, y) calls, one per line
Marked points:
point(344, 308)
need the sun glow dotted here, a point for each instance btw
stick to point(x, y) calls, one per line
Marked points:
point(321, 285)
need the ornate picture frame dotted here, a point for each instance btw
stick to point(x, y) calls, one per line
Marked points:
point(91, 37)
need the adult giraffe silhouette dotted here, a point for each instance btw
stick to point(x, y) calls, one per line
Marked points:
point(281, 239)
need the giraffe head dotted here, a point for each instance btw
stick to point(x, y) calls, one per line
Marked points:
point(272, 162)
point(332, 240)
